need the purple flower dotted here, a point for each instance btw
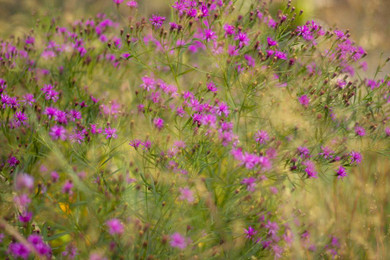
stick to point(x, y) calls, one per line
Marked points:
point(67, 187)
point(132, 4)
point(272, 23)
point(277, 251)
point(223, 109)
point(271, 42)
point(50, 112)
point(250, 60)
point(95, 130)
point(355, 157)
point(250, 183)
point(74, 114)
point(303, 152)
point(327, 153)
point(39, 245)
point(310, 169)
point(117, 1)
point(115, 226)
point(30, 40)
point(50, 93)
point(12, 161)
point(24, 181)
point(22, 200)
point(148, 83)
point(135, 143)
point(25, 217)
point(54, 176)
point(58, 132)
point(70, 251)
point(273, 190)
point(110, 133)
point(341, 172)
point(360, 131)
point(387, 131)
point(211, 87)
point(21, 117)
point(209, 34)
point(272, 227)
point(229, 29)
point(78, 136)
point(28, 99)
point(232, 51)
point(179, 241)
point(280, 55)
point(339, 34)
point(242, 38)
point(261, 137)
point(186, 194)
point(373, 84)
point(157, 21)
point(250, 232)
point(304, 100)
point(18, 250)
point(158, 123)
point(250, 160)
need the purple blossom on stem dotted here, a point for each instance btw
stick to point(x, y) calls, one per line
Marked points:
point(58, 132)
point(209, 35)
point(242, 38)
point(341, 172)
point(67, 187)
point(310, 169)
point(12, 161)
point(303, 152)
point(178, 241)
point(186, 194)
point(22, 200)
point(327, 153)
point(40, 246)
point(110, 133)
point(18, 250)
point(133, 4)
point(78, 136)
point(304, 100)
point(115, 226)
point(250, 183)
point(387, 131)
point(250, 232)
point(250, 60)
point(360, 131)
point(271, 42)
point(261, 137)
point(355, 157)
point(28, 99)
point(158, 123)
point(25, 217)
point(229, 29)
point(54, 176)
point(211, 87)
point(232, 50)
point(24, 181)
point(50, 93)
point(157, 21)
point(272, 227)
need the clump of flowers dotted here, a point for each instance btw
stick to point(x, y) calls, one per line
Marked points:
point(179, 136)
